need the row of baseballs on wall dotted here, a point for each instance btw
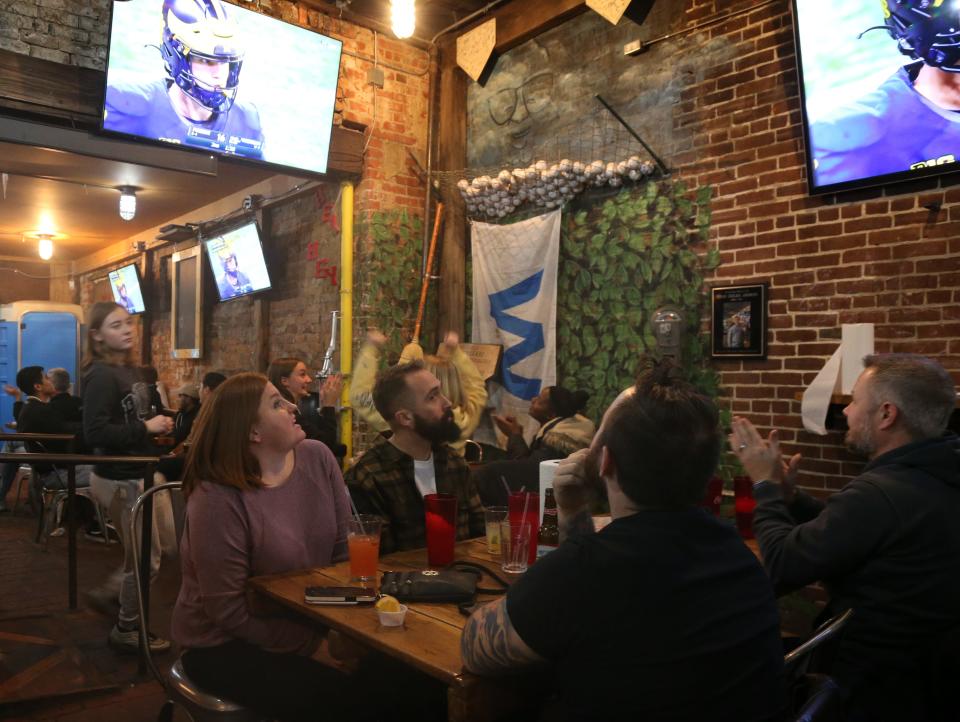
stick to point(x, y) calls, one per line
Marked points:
point(546, 185)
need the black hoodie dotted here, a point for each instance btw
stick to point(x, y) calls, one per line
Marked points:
point(110, 422)
point(887, 546)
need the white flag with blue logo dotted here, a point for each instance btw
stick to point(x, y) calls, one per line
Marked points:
point(515, 301)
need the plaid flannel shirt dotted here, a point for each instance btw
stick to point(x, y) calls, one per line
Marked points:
point(382, 483)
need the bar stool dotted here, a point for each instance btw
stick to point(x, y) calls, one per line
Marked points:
point(24, 475)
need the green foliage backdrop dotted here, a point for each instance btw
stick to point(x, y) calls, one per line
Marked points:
point(390, 256)
point(620, 260)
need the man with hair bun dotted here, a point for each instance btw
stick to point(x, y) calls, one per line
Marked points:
point(887, 545)
point(664, 614)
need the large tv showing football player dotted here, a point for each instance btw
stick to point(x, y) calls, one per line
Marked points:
point(236, 258)
point(880, 84)
point(208, 75)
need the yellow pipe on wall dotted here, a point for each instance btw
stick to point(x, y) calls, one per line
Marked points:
point(346, 314)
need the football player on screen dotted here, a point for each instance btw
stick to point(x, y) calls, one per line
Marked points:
point(910, 121)
point(196, 103)
point(233, 282)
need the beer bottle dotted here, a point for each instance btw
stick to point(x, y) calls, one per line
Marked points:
point(548, 538)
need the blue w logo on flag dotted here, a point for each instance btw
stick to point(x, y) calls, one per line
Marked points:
point(530, 331)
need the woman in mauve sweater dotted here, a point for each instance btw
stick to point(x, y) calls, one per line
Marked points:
point(260, 500)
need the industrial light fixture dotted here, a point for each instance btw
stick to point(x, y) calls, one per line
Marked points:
point(403, 17)
point(45, 247)
point(128, 202)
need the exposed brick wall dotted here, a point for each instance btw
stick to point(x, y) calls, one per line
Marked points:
point(876, 256)
point(73, 32)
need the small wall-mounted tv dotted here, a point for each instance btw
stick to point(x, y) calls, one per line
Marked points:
point(871, 81)
point(125, 284)
point(208, 75)
point(236, 258)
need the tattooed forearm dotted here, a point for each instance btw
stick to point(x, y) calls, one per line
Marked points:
point(576, 524)
point(490, 645)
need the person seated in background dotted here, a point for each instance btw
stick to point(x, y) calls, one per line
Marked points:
point(460, 382)
point(686, 627)
point(39, 416)
point(564, 429)
point(69, 407)
point(292, 379)
point(156, 391)
point(391, 478)
point(8, 470)
point(211, 380)
point(189, 397)
point(887, 545)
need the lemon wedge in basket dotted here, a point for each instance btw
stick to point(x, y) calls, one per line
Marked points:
point(386, 603)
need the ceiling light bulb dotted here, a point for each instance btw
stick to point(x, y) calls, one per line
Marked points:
point(403, 17)
point(128, 203)
point(45, 249)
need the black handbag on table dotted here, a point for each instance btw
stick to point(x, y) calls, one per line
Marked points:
point(457, 584)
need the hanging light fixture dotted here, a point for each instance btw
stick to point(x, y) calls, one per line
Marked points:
point(403, 17)
point(128, 202)
point(45, 247)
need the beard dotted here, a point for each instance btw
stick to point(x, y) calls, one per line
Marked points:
point(860, 440)
point(442, 431)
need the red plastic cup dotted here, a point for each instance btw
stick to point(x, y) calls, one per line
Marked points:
point(743, 505)
point(713, 495)
point(441, 523)
point(515, 505)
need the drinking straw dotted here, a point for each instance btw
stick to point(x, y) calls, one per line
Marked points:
point(356, 515)
point(505, 484)
point(526, 503)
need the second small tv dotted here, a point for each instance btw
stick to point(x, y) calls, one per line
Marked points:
point(236, 258)
point(125, 284)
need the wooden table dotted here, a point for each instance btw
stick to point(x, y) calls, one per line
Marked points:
point(429, 640)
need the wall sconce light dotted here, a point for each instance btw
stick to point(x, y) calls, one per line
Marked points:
point(45, 247)
point(403, 17)
point(128, 202)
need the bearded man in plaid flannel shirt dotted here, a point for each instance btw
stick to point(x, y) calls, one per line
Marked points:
point(391, 478)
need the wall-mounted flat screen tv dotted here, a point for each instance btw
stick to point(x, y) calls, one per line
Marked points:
point(212, 76)
point(875, 79)
point(125, 284)
point(236, 258)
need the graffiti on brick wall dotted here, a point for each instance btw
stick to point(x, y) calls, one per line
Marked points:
point(539, 103)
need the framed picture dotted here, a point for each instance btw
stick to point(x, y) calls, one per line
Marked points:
point(738, 322)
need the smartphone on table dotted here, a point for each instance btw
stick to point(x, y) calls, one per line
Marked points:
point(340, 595)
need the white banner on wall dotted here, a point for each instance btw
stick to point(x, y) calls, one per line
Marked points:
point(515, 301)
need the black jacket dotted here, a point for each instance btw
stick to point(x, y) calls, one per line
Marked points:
point(320, 425)
point(69, 407)
point(887, 545)
point(37, 417)
point(110, 422)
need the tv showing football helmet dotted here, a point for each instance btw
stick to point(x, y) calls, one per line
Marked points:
point(201, 30)
point(927, 30)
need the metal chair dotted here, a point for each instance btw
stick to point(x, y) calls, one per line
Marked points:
point(796, 662)
point(822, 700)
point(52, 501)
point(199, 705)
point(24, 476)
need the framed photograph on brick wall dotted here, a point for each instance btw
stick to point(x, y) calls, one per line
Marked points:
point(738, 322)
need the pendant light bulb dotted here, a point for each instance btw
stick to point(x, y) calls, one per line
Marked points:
point(45, 248)
point(128, 203)
point(403, 17)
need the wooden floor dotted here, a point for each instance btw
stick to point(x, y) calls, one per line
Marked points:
point(33, 591)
